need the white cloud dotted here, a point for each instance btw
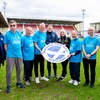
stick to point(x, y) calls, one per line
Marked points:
point(52, 8)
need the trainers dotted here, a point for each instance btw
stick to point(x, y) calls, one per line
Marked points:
point(91, 85)
point(44, 78)
point(55, 76)
point(75, 83)
point(31, 80)
point(20, 85)
point(27, 83)
point(8, 89)
point(86, 83)
point(49, 76)
point(71, 81)
point(65, 76)
point(37, 80)
point(60, 79)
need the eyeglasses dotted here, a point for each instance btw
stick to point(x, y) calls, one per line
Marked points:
point(12, 25)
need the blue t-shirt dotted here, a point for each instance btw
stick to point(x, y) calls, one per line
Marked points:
point(13, 42)
point(27, 47)
point(39, 38)
point(75, 45)
point(90, 45)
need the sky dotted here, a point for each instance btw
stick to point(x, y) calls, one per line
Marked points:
point(53, 9)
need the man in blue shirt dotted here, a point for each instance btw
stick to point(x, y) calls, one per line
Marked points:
point(39, 42)
point(12, 45)
point(28, 54)
point(90, 47)
point(75, 58)
point(51, 38)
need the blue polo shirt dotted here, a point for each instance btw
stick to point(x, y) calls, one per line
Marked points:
point(13, 42)
point(27, 47)
point(90, 45)
point(75, 45)
point(39, 38)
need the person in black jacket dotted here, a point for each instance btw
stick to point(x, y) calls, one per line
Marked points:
point(65, 40)
point(2, 50)
point(51, 38)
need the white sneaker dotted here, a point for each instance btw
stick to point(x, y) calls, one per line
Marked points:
point(76, 83)
point(71, 81)
point(31, 80)
point(27, 83)
point(44, 78)
point(37, 80)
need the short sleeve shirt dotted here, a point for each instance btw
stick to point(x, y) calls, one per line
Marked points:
point(75, 45)
point(90, 45)
point(27, 47)
point(39, 38)
point(13, 42)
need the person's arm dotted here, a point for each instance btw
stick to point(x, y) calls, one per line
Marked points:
point(35, 44)
point(76, 53)
point(86, 55)
point(56, 37)
point(83, 50)
point(95, 51)
point(5, 47)
point(68, 43)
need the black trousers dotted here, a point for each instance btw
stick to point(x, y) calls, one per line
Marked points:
point(49, 68)
point(75, 71)
point(28, 67)
point(92, 65)
point(64, 68)
point(39, 59)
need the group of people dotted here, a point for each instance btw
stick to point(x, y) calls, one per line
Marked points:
point(27, 50)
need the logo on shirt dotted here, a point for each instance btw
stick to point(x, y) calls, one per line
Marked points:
point(55, 52)
point(90, 44)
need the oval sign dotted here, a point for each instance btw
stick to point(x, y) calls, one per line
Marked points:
point(55, 52)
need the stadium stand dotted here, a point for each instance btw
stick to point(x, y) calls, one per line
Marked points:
point(58, 24)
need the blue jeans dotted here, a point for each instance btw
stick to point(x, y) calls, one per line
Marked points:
point(75, 71)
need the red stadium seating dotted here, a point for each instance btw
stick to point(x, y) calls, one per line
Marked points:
point(56, 28)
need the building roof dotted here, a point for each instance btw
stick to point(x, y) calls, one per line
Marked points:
point(46, 21)
point(3, 22)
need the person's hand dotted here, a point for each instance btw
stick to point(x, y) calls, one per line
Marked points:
point(69, 56)
point(41, 52)
point(88, 56)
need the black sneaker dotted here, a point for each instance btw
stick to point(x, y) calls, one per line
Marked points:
point(20, 85)
point(55, 76)
point(8, 89)
point(60, 79)
point(49, 76)
point(91, 85)
point(86, 83)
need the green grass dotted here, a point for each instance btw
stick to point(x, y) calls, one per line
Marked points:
point(51, 90)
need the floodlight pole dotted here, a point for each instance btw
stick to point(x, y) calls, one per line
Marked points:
point(83, 13)
point(4, 7)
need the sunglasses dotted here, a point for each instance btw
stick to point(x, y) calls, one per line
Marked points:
point(12, 25)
